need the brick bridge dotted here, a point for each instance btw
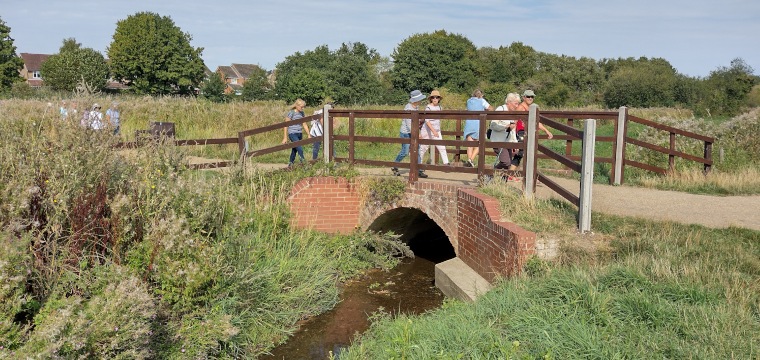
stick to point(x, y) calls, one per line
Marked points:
point(471, 221)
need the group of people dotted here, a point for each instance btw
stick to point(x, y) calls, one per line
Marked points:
point(501, 130)
point(93, 118)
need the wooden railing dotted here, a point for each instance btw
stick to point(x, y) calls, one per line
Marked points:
point(552, 119)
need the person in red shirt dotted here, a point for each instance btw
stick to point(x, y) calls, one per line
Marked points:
point(528, 98)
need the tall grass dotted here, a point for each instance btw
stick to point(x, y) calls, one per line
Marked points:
point(131, 255)
point(655, 290)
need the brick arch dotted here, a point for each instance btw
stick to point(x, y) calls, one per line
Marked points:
point(472, 221)
point(438, 201)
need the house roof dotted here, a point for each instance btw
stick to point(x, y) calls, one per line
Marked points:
point(33, 62)
point(228, 72)
point(244, 70)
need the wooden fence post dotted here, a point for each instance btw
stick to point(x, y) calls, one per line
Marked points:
point(587, 175)
point(618, 158)
point(414, 147)
point(326, 134)
point(529, 160)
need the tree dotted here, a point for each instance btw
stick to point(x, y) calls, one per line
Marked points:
point(641, 84)
point(152, 55)
point(10, 63)
point(728, 87)
point(439, 59)
point(349, 75)
point(257, 86)
point(213, 88)
point(74, 64)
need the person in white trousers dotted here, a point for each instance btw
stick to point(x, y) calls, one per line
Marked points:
point(431, 129)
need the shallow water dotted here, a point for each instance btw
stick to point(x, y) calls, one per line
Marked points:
point(408, 288)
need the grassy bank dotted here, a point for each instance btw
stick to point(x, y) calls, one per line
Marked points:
point(634, 289)
point(130, 255)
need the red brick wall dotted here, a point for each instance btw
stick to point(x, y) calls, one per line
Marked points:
point(325, 204)
point(488, 245)
point(472, 220)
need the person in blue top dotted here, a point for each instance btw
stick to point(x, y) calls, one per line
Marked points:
point(113, 117)
point(472, 126)
point(294, 132)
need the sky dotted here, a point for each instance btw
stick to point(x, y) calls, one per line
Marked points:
point(696, 36)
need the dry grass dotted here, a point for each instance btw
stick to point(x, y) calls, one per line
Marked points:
point(743, 181)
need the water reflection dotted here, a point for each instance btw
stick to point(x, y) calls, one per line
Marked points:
point(408, 288)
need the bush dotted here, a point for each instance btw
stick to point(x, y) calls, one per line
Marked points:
point(111, 322)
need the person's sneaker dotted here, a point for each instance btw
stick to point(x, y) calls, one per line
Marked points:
point(513, 179)
point(422, 174)
point(501, 165)
point(469, 163)
point(395, 171)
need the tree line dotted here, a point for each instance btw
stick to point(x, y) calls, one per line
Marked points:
point(151, 55)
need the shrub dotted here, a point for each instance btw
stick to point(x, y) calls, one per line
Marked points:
point(113, 321)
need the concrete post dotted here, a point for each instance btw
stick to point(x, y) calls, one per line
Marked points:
point(620, 146)
point(587, 175)
point(529, 160)
point(326, 133)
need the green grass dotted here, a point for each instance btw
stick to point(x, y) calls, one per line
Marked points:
point(634, 289)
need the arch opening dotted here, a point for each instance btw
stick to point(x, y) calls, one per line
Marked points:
point(423, 235)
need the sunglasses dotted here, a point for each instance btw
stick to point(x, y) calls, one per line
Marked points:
point(435, 97)
point(529, 96)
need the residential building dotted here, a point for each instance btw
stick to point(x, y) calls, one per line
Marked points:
point(235, 76)
point(32, 70)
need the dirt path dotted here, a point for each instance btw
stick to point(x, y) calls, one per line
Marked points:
point(710, 211)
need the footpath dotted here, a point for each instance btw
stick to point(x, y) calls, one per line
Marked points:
point(706, 210)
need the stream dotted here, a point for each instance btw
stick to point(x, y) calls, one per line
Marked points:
point(408, 288)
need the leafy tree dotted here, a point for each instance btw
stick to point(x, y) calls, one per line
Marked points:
point(352, 78)
point(514, 64)
point(294, 65)
point(257, 86)
point(213, 88)
point(641, 84)
point(439, 59)
point(10, 63)
point(307, 84)
point(349, 75)
point(728, 87)
point(73, 64)
point(152, 55)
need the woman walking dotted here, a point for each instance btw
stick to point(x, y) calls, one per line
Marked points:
point(431, 129)
point(294, 132)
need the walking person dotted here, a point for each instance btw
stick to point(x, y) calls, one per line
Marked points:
point(405, 131)
point(505, 131)
point(113, 117)
point(517, 155)
point(431, 129)
point(294, 132)
point(317, 130)
point(472, 126)
point(528, 98)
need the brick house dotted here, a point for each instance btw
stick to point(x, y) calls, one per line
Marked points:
point(235, 76)
point(32, 70)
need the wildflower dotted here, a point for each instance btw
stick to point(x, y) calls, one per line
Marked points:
point(116, 329)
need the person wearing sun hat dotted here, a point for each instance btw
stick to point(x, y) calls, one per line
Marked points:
point(528, 97)
point(431, 128)
point(405, 131)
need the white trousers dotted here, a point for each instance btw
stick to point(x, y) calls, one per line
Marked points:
point(441, 150)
